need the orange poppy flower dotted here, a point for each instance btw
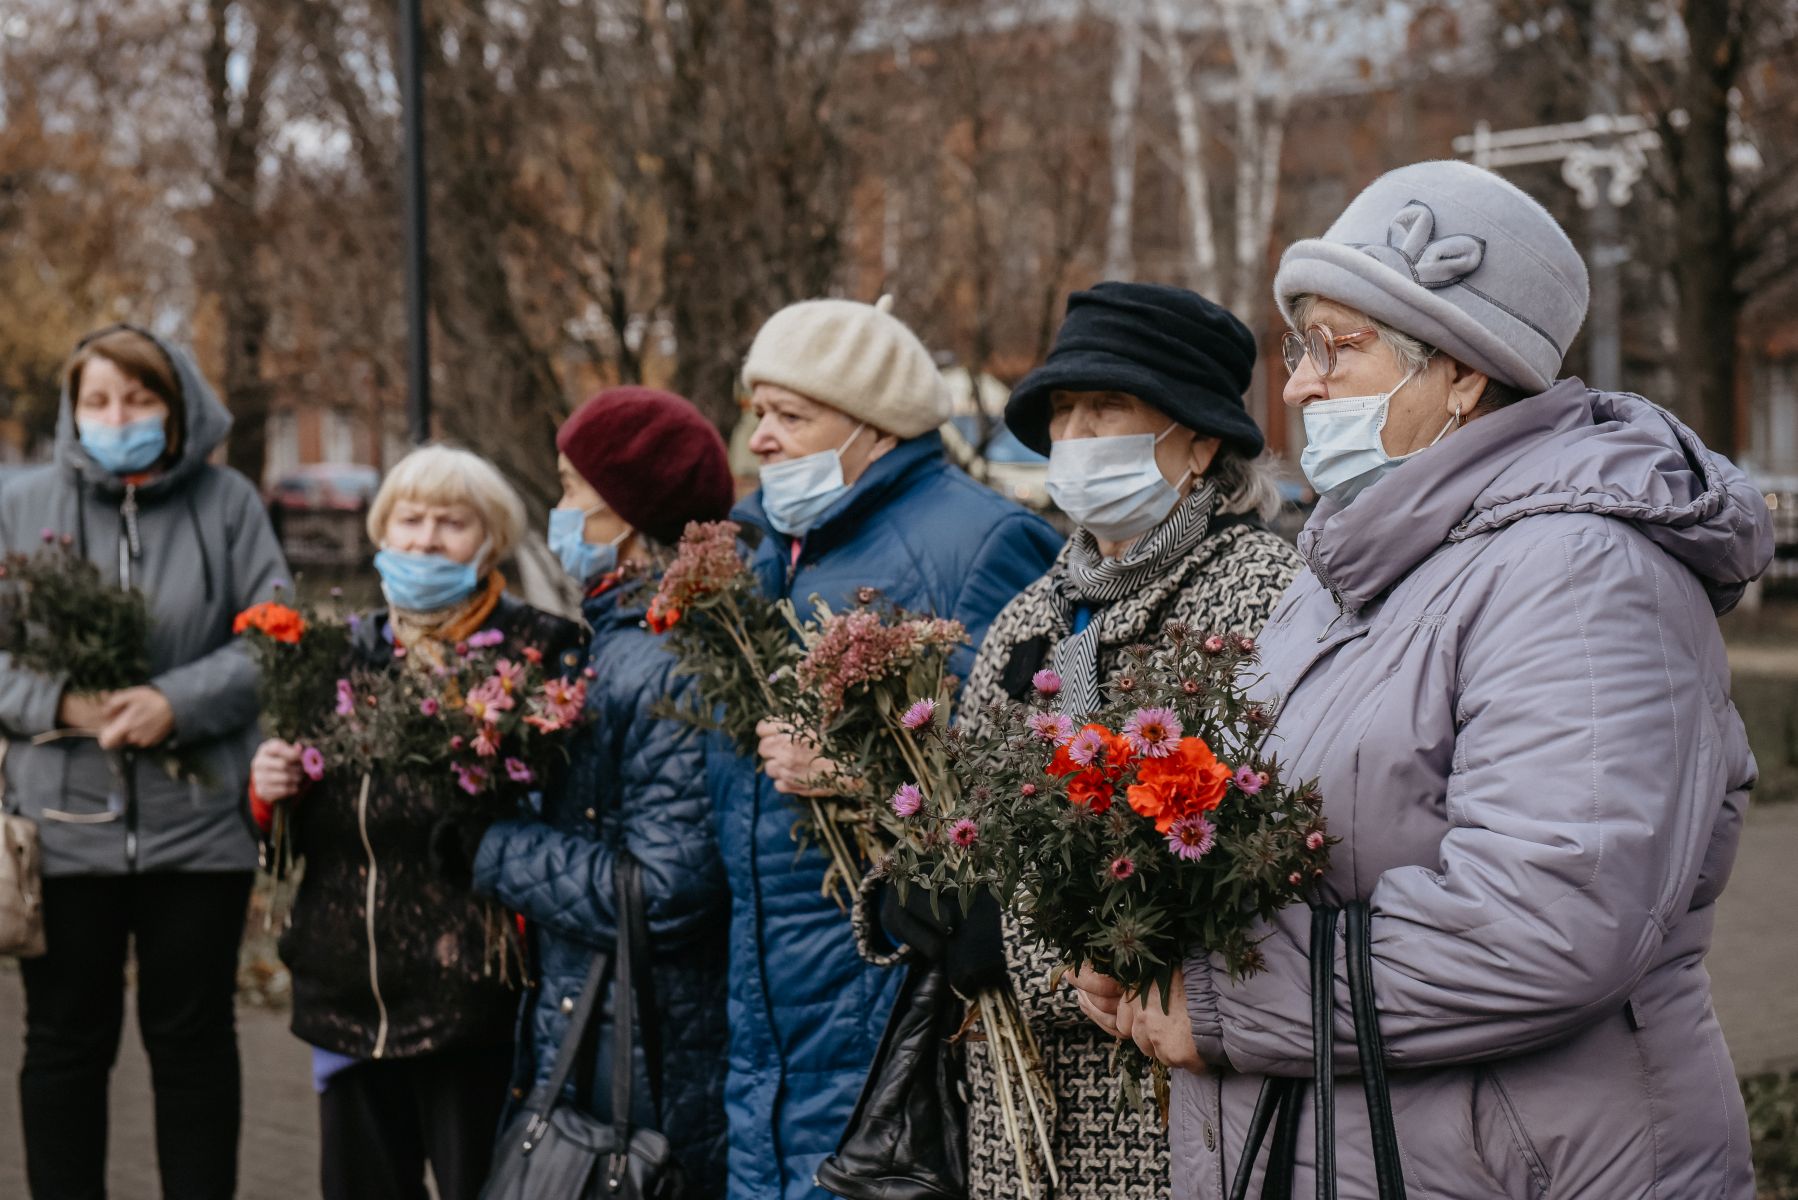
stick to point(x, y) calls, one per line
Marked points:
point(276, 621)
point(1190, 780)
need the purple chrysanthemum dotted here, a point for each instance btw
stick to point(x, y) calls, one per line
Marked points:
point(312, 761)
point(1046, 682)
point(1085, 747)
point(428, 706)
point(1052, 727)
point(346, 698)
point(907, 800)
point(1122, 867)
point(919, 714)
point(964, 833)
point(1249, 781)
point(486, 638)
point(517, 772)
point(1191, 837)
point(1153, 732)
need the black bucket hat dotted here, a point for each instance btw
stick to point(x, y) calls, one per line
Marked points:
point(1167, 346)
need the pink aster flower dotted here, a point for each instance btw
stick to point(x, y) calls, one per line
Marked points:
point(486, 638)
point(457, 742)
point(919, 714)
point(312, 761)
point(1314, 840)
point(1191, 837)
point(429, 706)
point(346, 698)
point(470, 779)
point(508, 673)
point(964, 833)
point(1122, 867)
point(1153, 732)
point(1249, 781)
point(1052, 727)
point(486, 742)
point(1214, 644)
point(907, 800)
point(517, 772)
point(1086, 746)
point(1047, 683)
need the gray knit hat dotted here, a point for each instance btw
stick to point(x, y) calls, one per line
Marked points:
point(1457, 257)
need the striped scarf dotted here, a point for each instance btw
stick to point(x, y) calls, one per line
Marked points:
point(1093, 581)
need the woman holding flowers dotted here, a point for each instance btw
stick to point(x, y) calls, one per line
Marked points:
point(636, 465)
point(137, 848)
point(856, 494)
point(1503, 667)
point(391, 951)
point(1153, 454)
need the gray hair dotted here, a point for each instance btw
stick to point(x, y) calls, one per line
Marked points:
point(1246, 486)
point(1412, 354)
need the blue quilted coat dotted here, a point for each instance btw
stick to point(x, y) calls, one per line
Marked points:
point(635, 783)
point(806, 1012)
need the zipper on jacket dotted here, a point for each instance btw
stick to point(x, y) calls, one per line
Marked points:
point(374, 978)
point(130, 546)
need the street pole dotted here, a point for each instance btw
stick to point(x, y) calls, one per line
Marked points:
point(1604, 224)
point(418, 342)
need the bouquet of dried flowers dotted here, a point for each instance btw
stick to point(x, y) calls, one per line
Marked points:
point(870, 683)
point(1124, 838)
point(59, 616)
point(730, 639)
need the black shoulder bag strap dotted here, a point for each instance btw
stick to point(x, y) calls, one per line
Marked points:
point(634, 913)
point(1278, 1105)
point(574, 1038)
point(635, 992)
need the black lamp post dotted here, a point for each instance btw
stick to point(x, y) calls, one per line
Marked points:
point(418, 344)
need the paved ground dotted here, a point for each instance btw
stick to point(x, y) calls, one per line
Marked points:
point(1753, 965)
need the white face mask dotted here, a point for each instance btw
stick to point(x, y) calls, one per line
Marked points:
point(1111, 486)
point(796, 493)
point(1342, 439)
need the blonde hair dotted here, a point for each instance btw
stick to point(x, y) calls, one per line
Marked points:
point(450, 475)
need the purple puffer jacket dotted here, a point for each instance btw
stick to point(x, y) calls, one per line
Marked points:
point(1504, 667)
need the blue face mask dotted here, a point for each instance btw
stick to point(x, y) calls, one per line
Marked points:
point(125, 449)
point(426, 582)
point(1111, 486)
point(797, 492)
point(1342, 441)
point(583, 560)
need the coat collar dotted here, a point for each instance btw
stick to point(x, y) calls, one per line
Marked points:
point(886, 477)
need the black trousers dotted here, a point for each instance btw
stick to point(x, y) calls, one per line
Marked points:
point(186, 928)
point(381, 1121)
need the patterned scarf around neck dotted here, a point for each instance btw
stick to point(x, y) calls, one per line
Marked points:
point(1088, 579)
point(427, 634)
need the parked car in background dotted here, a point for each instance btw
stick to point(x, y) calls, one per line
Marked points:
point(318, 512)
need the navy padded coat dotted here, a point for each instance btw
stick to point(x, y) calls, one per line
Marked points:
point(806, 1012)
point(637, 783)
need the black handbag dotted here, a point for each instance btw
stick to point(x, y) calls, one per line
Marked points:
point(1278, 1105)
point(908, 1136)
point(555, 1151)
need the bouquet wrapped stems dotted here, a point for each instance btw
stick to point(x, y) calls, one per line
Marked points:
point(1019, 1078)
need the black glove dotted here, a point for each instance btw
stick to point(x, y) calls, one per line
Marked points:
point(454, 842)
point(968, 944)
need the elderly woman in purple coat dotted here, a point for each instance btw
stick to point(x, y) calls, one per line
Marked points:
point(1503, 666)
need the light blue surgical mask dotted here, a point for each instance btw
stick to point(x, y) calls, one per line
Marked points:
point(1342, 440)
point(797, 492)
point(426, 582)
point(1111, 486)
point(125, 449)
point(582, 559)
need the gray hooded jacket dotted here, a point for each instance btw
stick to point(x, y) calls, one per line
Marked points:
point(1505, 669)
point(205, 551)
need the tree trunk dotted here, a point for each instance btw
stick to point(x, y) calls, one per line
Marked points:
point(1195, 183)
point(1126, 86)
point(1709, 303)
point(236, 234)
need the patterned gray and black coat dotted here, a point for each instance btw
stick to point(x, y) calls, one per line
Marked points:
point(1229, 581)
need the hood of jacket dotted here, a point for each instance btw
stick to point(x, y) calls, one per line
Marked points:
point(207, 422)
point(1569, 449)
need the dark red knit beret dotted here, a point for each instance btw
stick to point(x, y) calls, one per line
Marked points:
point(652, 458)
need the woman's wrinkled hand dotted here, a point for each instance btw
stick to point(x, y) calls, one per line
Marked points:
point(1165, 1037)
point(791, 763)
point(85, 711)
point(275, 771)
point(138, 717)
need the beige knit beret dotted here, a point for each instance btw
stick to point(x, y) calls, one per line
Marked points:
point(858, 358)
